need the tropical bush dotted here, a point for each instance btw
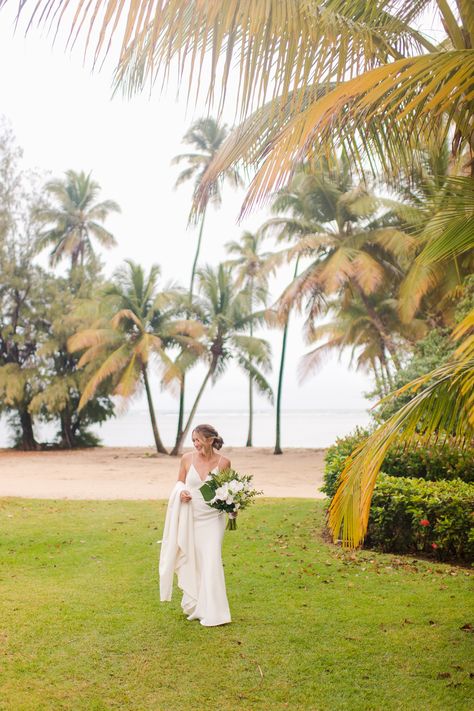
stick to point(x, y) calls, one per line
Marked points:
point(433, 462)
point(336, 457)
point(414, 516)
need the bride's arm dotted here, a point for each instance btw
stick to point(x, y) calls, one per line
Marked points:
point(185, 496)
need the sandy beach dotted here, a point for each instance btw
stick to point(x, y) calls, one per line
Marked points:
point(139, 473)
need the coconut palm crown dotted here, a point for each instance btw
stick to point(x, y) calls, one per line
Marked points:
point(74, 218)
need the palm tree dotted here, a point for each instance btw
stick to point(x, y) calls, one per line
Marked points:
point(140, 327)
point(205, 136)
point(352, 328)
point(329, 221)
point(226, 314)
point(74, 218)
point(347, 241)
point(252, 269)
point(432, 288)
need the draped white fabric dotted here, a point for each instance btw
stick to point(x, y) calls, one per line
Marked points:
point(191, 547)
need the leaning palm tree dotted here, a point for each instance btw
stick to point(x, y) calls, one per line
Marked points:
point(226, 314)
point(205, 136)
point(252, 269)
point(74, 217)
point(137, 331)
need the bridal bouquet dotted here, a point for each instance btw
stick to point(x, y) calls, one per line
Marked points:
point(229, 491)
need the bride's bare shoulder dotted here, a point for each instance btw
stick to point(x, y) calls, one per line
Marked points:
point(224, 463)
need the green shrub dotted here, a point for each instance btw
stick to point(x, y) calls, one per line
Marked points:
point(337, 455)
point(433, 462)
point(415, 516)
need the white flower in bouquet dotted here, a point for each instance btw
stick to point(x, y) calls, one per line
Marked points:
point(229, 491)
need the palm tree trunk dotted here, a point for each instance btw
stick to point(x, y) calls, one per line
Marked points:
point(179, 432)
point(250, 432)
point(158, 443)
point(384, 334)
point(278, 449)
point(196, 256)
point(182, 437)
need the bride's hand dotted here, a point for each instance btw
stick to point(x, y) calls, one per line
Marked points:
point(185, 496)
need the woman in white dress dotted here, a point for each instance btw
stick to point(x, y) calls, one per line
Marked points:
point(193, 534)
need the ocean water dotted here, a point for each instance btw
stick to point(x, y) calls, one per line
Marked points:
point(299, 428)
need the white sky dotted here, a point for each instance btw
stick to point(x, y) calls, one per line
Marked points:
point(63, 118)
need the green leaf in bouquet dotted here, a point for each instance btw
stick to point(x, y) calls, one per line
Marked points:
point(207, 491)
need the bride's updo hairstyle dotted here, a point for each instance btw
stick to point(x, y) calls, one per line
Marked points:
point(210, 435)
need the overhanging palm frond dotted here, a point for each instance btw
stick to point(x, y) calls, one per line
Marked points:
point(381, 114)
point(446, 405)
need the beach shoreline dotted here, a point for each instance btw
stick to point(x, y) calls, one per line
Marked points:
point(139, 473)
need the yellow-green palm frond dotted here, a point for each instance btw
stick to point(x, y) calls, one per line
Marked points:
point(450, 232)
point(115, 362)
point(382, 114)
point(91, 337)
point(420, 280)
point(444, 406)
point(126, 314)
point(129, 380)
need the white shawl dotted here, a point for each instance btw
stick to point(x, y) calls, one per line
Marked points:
point(177, 551)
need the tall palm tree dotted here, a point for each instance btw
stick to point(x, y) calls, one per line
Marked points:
point(141, 325)
point(226, 314)
point(330, 222)
point(205, 136)
point(74, 218)
point(252, 268)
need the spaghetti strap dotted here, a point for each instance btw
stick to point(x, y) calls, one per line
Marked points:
point(218, 463)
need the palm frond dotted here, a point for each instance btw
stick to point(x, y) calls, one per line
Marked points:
point(446, 405)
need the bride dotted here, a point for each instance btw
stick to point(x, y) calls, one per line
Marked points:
point(193, 533)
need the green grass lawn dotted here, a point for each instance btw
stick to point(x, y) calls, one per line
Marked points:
point(81, 625)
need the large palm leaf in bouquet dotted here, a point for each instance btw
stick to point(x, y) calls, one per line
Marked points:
point(229, 491)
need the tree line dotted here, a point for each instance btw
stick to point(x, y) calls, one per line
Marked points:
point(70, 346)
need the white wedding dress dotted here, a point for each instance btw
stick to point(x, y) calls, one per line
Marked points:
point(195, 555)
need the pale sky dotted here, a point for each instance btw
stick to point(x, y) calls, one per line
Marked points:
point(63, 118)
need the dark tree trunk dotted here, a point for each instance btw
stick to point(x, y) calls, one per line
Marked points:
point(158, 443)
point(179, 442)
point(67, 436)
point(250, 432)
point(28, 442)
point(278, 449)
point(196, 256)
point(179, 433)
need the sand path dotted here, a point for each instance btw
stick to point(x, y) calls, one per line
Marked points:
point(138, 473)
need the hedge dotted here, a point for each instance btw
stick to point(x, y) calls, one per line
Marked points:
point(434, 462)
point(410, 515)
